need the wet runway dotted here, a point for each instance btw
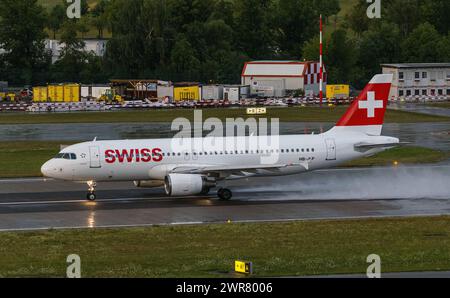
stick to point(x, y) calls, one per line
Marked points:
point(420, 108)
point(434, 135)
point(27, 204)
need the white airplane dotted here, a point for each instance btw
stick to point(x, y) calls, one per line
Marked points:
point(158, 162)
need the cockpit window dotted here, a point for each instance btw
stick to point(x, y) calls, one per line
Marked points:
point(69, 156)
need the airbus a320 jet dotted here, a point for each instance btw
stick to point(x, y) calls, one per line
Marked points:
point(202, 167)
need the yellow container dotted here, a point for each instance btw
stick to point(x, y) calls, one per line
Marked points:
point(186, 93)
point(72, 93)
point(36, 93)
point(39, 94)
point(56, 93)
point(335, 91)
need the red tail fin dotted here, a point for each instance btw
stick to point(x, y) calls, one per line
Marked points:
point(366, 114)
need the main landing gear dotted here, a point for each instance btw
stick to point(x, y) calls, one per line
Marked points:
point(224, 194)
point(91, 196)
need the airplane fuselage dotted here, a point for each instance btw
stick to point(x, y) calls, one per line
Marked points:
point(153, 159)
point(188, 166)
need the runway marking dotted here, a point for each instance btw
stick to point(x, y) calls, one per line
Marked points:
point(225, 222)
point(170, 199)
point(28, 180)
point(96, 201)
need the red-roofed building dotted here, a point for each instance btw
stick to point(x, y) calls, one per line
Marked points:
point(275, 78)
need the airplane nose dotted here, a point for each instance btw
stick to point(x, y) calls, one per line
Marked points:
point(46, 169)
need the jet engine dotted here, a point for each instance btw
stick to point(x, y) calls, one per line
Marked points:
point(187, 184)
point(148, 183)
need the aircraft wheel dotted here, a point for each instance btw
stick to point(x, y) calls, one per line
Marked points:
point(91, 196)
point(224, 194)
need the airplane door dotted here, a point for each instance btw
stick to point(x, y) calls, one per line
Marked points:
point(331, 149)
point(95, 157)
point(194, 155)
point(187, 156)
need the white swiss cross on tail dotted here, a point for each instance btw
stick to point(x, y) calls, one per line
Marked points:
point(370, 104)
point(366, 113)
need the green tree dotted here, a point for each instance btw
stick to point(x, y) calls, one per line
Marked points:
point(84, 25)
point(425, 44)
point(380, 44)
point(73, 59)
point(125, 53)
point(405, 13)
point(436, 13)
point(56, 19)
point(311, 49)
point(297, 22)
point(254, 32)
point(357, 19)
point(185, 66)
point(341, 57)
point(100, 17)
point(22, 37)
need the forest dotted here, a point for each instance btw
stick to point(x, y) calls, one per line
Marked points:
point(208, 41)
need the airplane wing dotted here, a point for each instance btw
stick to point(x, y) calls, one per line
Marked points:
point(226, 170)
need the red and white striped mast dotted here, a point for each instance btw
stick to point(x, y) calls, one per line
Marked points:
point(321, 64)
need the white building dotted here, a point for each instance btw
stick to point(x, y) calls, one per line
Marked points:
point(214, 92)
point(234, 93)
point(97, 46)
point(274, 78)
point(419, 80)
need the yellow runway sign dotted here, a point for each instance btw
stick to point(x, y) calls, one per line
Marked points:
point(243, 267)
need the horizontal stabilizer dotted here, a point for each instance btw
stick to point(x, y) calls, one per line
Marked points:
point(368, 146)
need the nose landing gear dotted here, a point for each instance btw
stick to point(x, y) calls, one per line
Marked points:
point(91, 196)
